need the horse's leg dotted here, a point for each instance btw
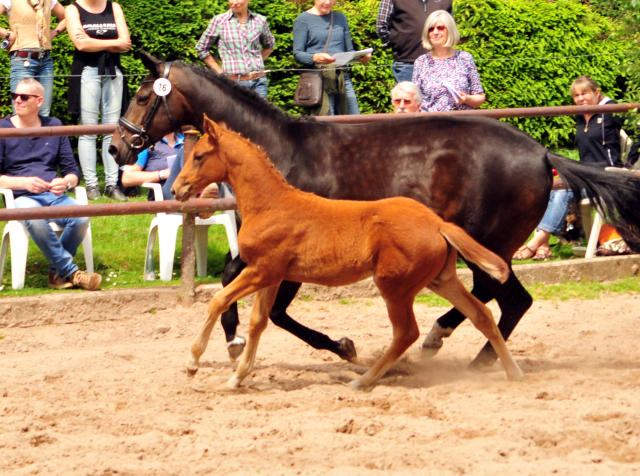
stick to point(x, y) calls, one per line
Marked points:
point(446, 324)
point(344, 348)
point(514, 301)
point(405, 333)
point(259, 319)
point(246, 283)
point(229, 318)
point(449, 287)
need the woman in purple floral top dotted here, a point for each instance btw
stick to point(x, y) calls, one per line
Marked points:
point(448, 78)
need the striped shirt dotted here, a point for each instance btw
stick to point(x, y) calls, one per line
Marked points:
point(239, 48)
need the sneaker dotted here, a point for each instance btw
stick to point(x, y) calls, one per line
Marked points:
point(56, 282)
point(210, 191)
point(88, 281)
point(93, 193)
point(113, 191)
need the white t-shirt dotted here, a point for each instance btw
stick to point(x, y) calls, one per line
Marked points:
point(7, 5)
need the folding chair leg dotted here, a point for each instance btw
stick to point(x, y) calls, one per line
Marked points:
point(168, 235)
point(87, 248)
point(3, 253)
point(19, 237)
point(593, 236)
point(232, 233)
point(151, 241)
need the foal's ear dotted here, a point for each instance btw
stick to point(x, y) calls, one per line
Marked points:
point(150, 63)
point(210, 128)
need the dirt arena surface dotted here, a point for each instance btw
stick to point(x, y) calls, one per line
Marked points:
point(112, 397)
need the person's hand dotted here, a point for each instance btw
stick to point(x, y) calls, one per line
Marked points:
point(36, 185)
point(463, 97)
point(58, 186)
point(53, 33)
point(124, 44)
point(365, 59)
point(12, 39)
point(323, 58)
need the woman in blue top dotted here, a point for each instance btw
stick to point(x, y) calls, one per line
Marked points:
point(310, 33)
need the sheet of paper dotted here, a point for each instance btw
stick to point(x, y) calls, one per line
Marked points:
point(349, 56)
point(452, 90)
point(170, 160)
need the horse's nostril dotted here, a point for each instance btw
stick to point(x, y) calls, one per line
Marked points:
point(113, 150)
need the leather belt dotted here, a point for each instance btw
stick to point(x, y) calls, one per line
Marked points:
point(247, 77)
point(30, 54)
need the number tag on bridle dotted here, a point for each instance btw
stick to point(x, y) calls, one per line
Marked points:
point(162, 86)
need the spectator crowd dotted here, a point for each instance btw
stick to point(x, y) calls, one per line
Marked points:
point(430, 72)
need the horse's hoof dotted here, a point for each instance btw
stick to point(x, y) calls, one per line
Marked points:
point(347, 350)
point(235, 347)
point(515, 376)
point(355, 384)
point(430, 350)
point(191, 372)
point(483, 359)
point(234, 383)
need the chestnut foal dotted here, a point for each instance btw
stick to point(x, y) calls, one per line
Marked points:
point(298, 236)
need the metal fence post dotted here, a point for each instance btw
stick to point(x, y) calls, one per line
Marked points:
point(188, 273)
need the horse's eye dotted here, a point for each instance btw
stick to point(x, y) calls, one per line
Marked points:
point(143, 99)
point(198, 156)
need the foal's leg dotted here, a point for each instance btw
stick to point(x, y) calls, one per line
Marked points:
point(450, 288)
point(248, 282)
point(344, 348)
point(259, 319)
point(405, 333)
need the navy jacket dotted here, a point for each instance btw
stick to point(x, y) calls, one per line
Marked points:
point(36, 156)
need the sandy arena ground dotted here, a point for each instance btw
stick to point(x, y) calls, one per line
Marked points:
point(112, 397)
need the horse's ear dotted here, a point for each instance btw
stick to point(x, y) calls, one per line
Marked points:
point(150, 63)
point(210, 127)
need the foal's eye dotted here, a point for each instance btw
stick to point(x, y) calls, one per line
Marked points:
point(198, 156)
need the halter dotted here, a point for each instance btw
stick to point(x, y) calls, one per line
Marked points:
point(140, 138)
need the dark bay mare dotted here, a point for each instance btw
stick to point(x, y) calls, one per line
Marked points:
point(486, 176)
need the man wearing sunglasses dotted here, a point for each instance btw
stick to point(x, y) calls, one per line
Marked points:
point(399, 25)
point(29, 167)
point(406, 97)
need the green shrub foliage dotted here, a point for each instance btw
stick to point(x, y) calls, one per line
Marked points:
point(506, 38)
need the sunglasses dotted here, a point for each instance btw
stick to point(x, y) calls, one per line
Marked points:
point(439, 28)
point(23, 97)
point(398, 102)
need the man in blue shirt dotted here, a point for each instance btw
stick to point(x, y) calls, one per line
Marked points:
point(29, 167)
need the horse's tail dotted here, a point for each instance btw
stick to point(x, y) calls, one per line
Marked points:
point(616, 194)
point(474, 252)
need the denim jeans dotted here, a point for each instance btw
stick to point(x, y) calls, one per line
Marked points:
point(40, 69)
point(98, 96)
point(352, 100)
point(259, 85)
point(402, 71)
point(556, 213)
point(59, 251)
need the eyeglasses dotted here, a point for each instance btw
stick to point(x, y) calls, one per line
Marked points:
point(439, 28)
point(24, 97)
point(398, 102)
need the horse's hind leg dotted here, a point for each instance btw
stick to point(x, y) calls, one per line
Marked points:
point(405, 333)
point(259, 319)
point(344, 348)
point(229, 318)
point(449, 287)
point(248, 282)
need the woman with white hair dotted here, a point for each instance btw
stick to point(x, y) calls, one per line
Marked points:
point(447, 77)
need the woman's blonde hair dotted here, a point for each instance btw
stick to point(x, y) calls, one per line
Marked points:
point(584, 83)
point(447, 20)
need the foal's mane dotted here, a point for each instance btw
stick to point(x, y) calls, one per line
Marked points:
point(243, 94)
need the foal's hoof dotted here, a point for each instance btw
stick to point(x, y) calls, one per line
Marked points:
point(191, 372)
point(235, 347)
point(433, 342)
point(347, 350)
point(483, 359)
point(431, 349)
point(234, 383)
point(355, 384)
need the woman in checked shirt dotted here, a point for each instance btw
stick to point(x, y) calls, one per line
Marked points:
point(244, 41)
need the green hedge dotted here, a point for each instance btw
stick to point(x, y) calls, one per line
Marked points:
point(499, 33)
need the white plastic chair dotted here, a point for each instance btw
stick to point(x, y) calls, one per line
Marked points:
point(592, 227)
point(17, 234)
point(165, 226)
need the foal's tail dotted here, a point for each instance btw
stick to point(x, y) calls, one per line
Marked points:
point(474, 252)
point(616, 194)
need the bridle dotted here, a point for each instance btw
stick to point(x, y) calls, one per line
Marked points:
point(140, 138)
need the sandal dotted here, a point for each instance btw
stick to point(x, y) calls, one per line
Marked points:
point(543, 254)
point(520, 254)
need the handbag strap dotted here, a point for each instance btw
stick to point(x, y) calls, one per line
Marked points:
point(326, 47)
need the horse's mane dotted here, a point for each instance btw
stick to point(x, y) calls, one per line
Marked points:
point(249, 96)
